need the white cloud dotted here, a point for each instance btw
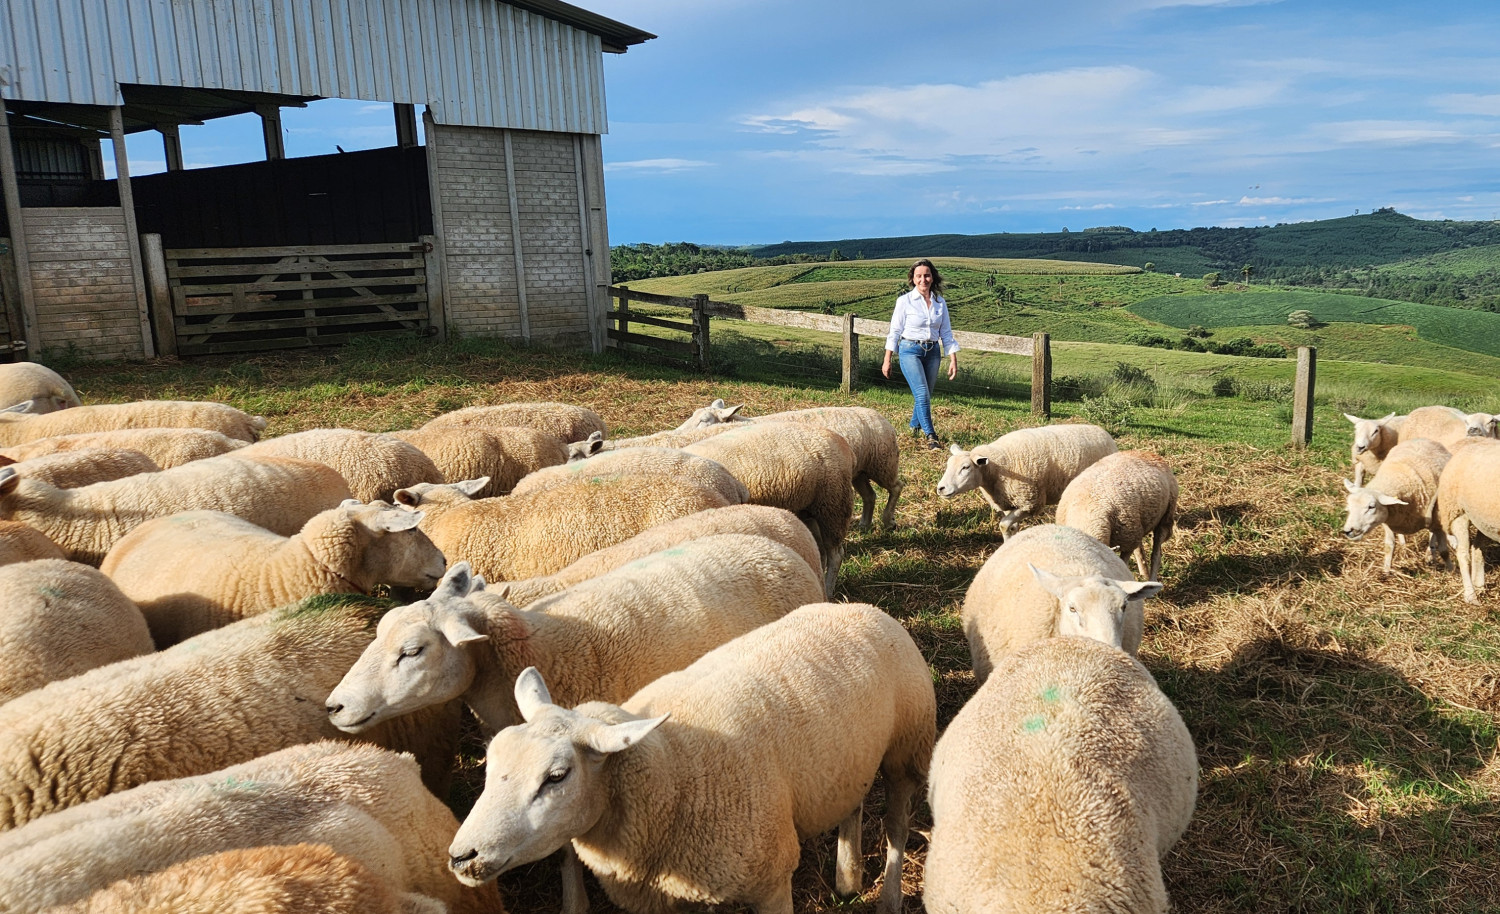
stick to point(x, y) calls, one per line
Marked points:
point(1209, 203)
point(1466, 103)
point(663, 166)
point(1282, 201)
point(1379, 131)
point(374, 109)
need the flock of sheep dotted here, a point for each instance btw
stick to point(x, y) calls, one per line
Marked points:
point(204, 709)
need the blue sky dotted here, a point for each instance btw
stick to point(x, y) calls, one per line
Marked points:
point(774, 120)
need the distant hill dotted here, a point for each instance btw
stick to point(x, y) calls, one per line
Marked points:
point(1346, 253)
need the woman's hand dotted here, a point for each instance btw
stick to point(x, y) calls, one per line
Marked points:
point(952, 366)
point(885, 367)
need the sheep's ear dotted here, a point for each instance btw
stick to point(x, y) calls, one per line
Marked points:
point(980, 460)
point(396, 520)
point(616, 737)
point(531, 693)
point(1355, 419)
point(725, 414)
point(458, 630)
point(471, 487)
point(350, 503)
point(1388, 417)
point(1140, 590)
point(1388, 500)
point(23, 407)
point(478, 584)
point(590, 446)
point(9, 479)
point(717, 404)
point(406, 497)
point(955, 450)
point(1349, 486)
point(456, 581)
point(6, 461)
point(1057, 586)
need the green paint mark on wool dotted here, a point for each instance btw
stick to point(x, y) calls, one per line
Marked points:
point(1036, 723)
point(53, 593)
point(1051, 694)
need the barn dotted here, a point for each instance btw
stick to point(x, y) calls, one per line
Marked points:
point(488, 221)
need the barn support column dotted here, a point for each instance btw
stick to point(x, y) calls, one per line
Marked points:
point(171, 145)
point(439, 255)
point(12, 194)
point(406, 125)
point(596, 236)
point(515, 235)
point(127, 205)
point(270, 129)
point(94, 154)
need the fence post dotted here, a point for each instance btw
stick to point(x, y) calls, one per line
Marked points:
point(163, 321)
point(624, 322)
point(1041, 375)
point(1302, 402)
point(432, 270)
point(851, 355)
point(700, 329)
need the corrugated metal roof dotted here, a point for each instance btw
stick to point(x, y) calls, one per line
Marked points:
point(477, 63)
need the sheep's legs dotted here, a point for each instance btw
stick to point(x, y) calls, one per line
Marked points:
point(1390, 547)
point(849, 870)
point(866, 503)
point(1140, 560)
point(1461, 548)
point(1359, 474)
point(575, 899)
point(780, 901)
point(1437, 548)
point(888, 516)
point(898, 794)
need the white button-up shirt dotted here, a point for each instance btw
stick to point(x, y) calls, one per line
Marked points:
point(913, 320)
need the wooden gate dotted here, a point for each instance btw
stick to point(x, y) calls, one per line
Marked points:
point(243, 299)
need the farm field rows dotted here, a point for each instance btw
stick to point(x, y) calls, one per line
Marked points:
point(1346, 724)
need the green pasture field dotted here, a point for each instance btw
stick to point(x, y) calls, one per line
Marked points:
point(1477, 331)
point(1466, 262)
point(1346, 723)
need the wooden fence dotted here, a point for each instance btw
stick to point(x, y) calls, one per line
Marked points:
point(209, 300)
point(1038, 346)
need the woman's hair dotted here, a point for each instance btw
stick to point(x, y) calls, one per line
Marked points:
point(937, 278)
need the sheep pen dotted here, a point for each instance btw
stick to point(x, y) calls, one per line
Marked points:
point(1346, 723)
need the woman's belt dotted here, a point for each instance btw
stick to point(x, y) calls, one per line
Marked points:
point(925, 344)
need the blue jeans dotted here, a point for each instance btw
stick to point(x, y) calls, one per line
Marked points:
point(919, 363)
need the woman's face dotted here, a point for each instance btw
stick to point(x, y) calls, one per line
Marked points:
point(922, 279)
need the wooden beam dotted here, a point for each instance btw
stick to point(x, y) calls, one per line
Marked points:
point(406, 125)
point(515, 238)
point(1041, 375)
point(132, 235)
point(851, 355)
point(171, 144)
point(1302, 396)
point(161, 294)
point(438, 259)
point(270, 130)
point(12, 193)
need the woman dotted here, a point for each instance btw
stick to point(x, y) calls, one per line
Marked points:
point(918, 325)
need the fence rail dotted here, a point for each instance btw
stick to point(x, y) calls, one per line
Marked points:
point(702, 309)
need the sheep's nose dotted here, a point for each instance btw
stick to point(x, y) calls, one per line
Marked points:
point(456, 862)
point(333, 708)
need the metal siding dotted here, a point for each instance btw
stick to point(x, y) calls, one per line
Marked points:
point(478, 63)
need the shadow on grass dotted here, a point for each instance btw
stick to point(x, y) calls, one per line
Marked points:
point(1330, 783)
point(1244, 572)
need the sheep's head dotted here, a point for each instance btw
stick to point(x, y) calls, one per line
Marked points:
point(543, 783)
point(1483, 425)
point(1366, 508)
point(1368, 432)
point(429, 495)
point(418, 658)
point(588, 447)
point(965, 470)
point(1093, 606)
point(375, 543)
point(715, 413)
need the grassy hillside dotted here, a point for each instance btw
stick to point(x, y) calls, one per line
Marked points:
point(1346, 722)
point(1473, 330)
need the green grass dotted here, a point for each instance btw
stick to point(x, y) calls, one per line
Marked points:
point(1476, 331)
point(1466, 262)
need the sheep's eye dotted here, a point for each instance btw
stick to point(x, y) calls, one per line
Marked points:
point(557, 777)
point(1073, 609)
point(410, 652)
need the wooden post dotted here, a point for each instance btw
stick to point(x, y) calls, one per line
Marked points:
point(127, 209)
point(163, 320)
point(700, 329)
point(624, 322)
point(11, 191)
point(1041, 375)
point(433, 266)
point(406, 125)
point(439, 256)
point(515, 237)
point(851, 355)
point(1302, 402)
point(270, 131)
point(171, 145)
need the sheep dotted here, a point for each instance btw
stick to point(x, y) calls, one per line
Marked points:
point(167, 447)
point(84, 467)
point(677, 438)
point(1442, 424)
point(1402, 497)
point(1121, 500)
point(1059, 786)
point(523, 536)
point(600, 640)
point(219, 699)
point(198, 570)
point(277, 493)
point(1373, 439)
point(60, 619)
point(566, 421)
point(772, 523)
point(665, 461)
point(1025, 470)
point(877, 452)
point(699, 788)
point(374, 465)
point(1052, 580)
point(280, 879)
point(1467, 495)
point(19, 428)
point(505, 454)
point(46, 390)
point(806, 470)
point(1482, 425)
point(365, 802)
point(23, 543)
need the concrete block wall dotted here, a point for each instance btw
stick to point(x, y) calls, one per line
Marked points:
point(552, 238)
point(471, 190)
point(84, 281)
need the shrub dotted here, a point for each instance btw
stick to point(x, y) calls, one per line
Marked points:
point(1256, 391)
point(1073, 388)
point(1149, 267)
point(1188, 344)
point(1302, 318)
point(1225, 387)
point(1199, 332)
point(1211, 279)
point(1109, 412)
point(1126, 373)
point(1143, 338)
